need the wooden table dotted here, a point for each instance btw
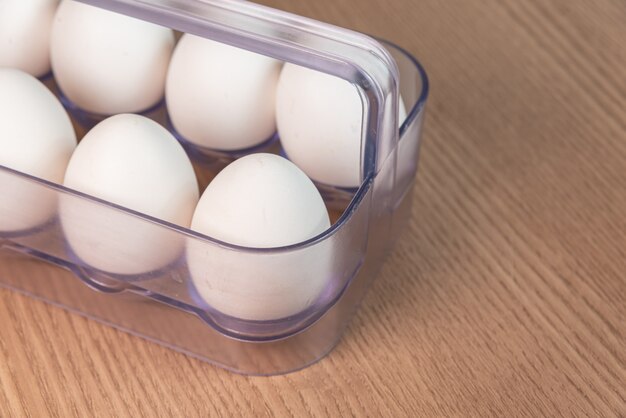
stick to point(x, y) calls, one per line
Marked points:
point(507, 294)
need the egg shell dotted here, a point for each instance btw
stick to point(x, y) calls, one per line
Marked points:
point(221, 97)
point(320, 122)
point(260, 201)
point(108, 63)
point(37, 138)
point(25, 34)
point(131, 161)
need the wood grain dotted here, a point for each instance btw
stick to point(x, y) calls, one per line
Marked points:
point(505, 297)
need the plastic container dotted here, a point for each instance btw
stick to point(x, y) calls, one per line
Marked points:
point(162, 305)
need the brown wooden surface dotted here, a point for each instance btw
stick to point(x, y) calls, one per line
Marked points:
point(507, 295)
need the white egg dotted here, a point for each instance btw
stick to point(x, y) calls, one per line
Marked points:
point(37, 138)
point(260, 201)
point(221, 97)
point(108, 63)
point(320, 119)
point(25, 34)
point(133, 162)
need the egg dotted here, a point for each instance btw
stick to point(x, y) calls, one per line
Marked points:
point(25, 34)
point(133, 162)
point(36, 138)
point(320, 120)
point(260, 201)
point(108, 63)
point(221, 97)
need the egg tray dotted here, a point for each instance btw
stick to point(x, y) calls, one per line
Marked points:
point(162, 306)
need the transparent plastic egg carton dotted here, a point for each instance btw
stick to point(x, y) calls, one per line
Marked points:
point(162, 306)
